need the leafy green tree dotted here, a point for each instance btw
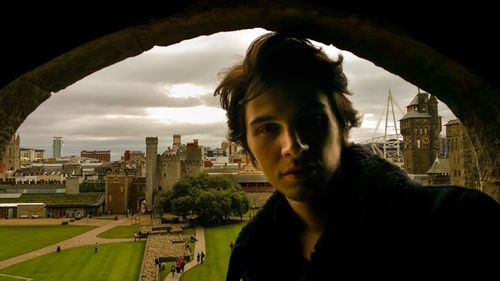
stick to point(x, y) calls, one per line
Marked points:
point(211, 198)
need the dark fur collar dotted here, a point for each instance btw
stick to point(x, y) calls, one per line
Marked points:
point(363, 177)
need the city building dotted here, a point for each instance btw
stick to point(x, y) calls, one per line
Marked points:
point(137, 156)
point(462, 157)
point(57, 147)
point(49, 190)
point(229, 147)
point(133, 156)
point(32, 155)
point(102, 156)
point(420, 128)
point(47, 173)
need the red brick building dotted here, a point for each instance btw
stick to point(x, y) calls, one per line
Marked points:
point(102, 156)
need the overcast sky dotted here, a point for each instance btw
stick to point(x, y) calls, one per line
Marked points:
point(169, 90)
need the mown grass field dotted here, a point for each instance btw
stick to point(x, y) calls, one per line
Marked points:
point(217, 240)
point(112, 262)
point(20, 239)
point(120, 231)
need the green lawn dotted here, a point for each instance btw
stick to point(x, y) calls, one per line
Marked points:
point(189, 231)
point(20, 239)
point(121, 231)
point(87, 198)
point(217, 240)
point(113, 262)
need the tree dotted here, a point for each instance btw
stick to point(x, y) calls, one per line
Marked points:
point(211, 198)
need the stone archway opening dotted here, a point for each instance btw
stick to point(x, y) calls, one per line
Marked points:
point(141, 206)
point(472, 97)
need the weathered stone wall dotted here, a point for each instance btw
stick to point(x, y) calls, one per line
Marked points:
point(136, 193)
point(28, 211)
point(117, 193)
point(73, 185)
point(169, 170)
point(463, 162)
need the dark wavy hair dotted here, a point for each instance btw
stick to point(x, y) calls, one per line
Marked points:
point(280, 60)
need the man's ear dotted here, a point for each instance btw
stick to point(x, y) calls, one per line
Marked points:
point(345, 138)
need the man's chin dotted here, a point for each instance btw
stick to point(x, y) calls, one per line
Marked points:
point(302, 194)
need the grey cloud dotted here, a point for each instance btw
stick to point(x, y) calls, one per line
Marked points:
point(122, 94)
point(78, 112)
point(201, 66)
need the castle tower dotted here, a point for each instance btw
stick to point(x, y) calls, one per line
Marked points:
point(151, 170)
point(420, 128)
point(177, 142)
point(462, 156)
point(12, 156)
point(435, 124)
point(169, 170)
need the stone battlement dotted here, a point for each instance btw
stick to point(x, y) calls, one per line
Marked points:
point(169, 157)
point(151, 140)
point(191, 162)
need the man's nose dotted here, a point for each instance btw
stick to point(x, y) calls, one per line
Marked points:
point(292, 145)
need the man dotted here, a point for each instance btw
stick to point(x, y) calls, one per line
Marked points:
point(338, 210)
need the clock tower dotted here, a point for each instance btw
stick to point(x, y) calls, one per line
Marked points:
point(420, 128)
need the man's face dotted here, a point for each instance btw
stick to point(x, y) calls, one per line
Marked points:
point(295, 139)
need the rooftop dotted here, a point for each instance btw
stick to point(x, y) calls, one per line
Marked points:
point(440, 166)
point(416, 114)
point(56, 199)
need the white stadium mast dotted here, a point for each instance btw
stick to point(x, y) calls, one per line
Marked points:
point(388, 146)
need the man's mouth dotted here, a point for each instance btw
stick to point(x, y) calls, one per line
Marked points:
point(299, 171)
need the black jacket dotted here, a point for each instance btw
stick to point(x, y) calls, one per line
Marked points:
point(381, 224)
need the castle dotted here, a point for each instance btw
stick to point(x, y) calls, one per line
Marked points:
point(420, 128)
point(163, 171)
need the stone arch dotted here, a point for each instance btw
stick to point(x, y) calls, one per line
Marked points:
point(139, 205)
point(388, 41)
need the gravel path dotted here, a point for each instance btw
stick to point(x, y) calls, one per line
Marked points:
point(199, 246)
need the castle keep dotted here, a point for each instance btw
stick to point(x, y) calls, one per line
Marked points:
point(163, 171)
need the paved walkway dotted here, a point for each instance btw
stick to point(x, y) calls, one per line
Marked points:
point(199, 246)
point(18, 277)
point(87, 238)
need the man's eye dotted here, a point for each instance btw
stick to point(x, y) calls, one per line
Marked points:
point(268, 129)
point(312, 121)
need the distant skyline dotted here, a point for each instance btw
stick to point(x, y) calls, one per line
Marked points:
point(169, 90)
